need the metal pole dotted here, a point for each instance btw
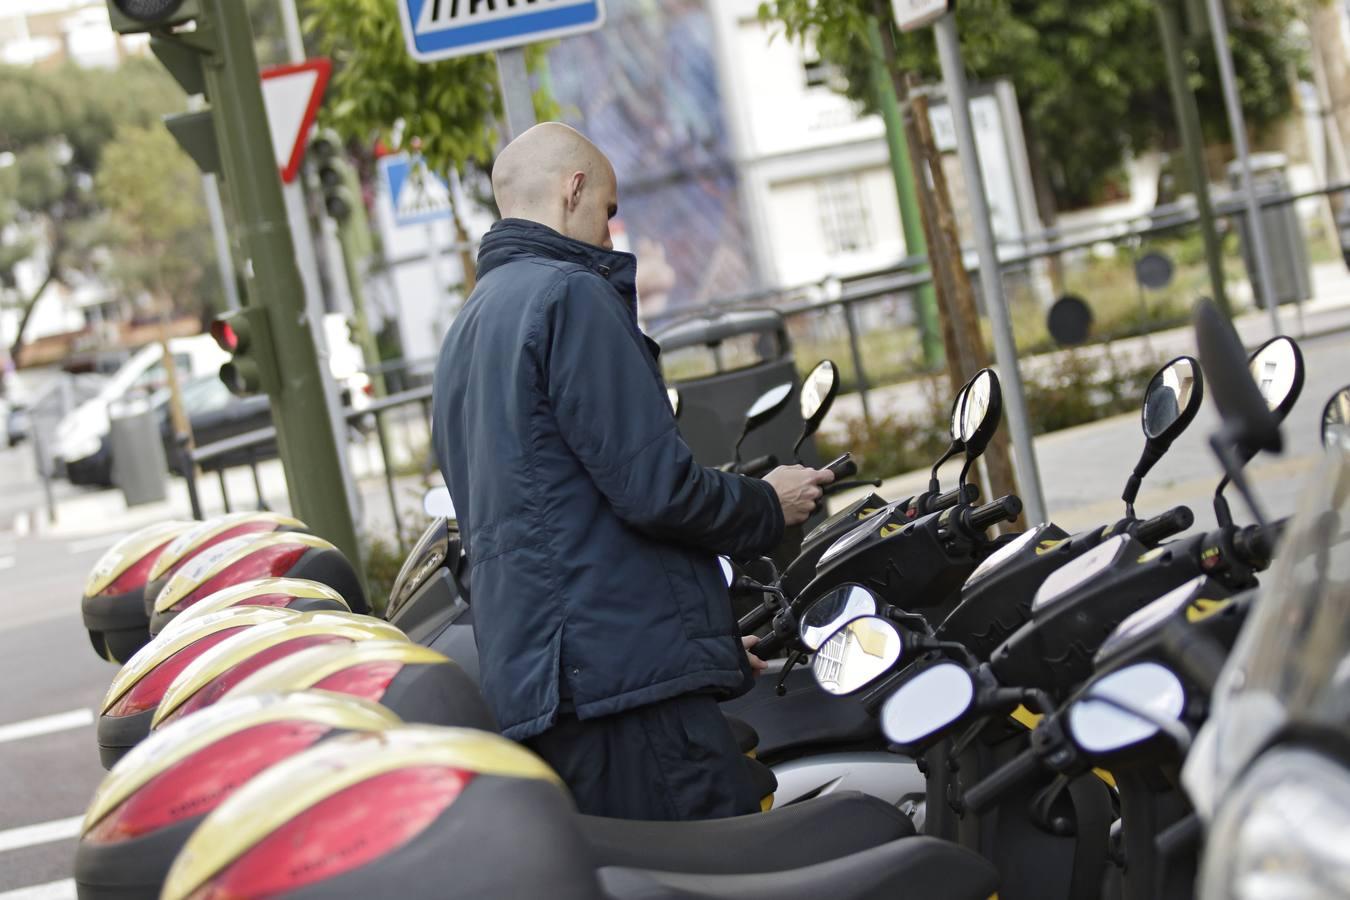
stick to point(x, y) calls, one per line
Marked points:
point(855, 351)
point(224, 260)
point(297, 213)
point(1237, 123)
point(307, 438)
point(991, 276)
point(1193, 145)
point(517, 98)
point(911, 220)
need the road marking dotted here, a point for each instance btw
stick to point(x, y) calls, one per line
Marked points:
point(52, 890)
point(76, 718)
point(6, 562)
point(95, 543)
point(41, 833)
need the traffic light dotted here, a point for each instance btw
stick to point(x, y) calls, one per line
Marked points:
point(335, 175)
point(132, 16)
point(243, 334)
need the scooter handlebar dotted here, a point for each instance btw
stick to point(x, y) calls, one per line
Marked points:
point(1164, 525)
point(968, 494)
point(985, 794)
point(1004, 509)
point(768, 646)
point(759, 466)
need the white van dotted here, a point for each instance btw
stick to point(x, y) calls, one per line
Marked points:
point(82, 435)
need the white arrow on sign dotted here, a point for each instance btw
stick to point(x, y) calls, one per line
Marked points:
point(292, 95)
point(911, 14)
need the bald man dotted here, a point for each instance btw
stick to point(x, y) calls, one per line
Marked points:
point(604, 629)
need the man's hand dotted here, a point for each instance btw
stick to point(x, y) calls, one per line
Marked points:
point(757, 665)
point(798, 490)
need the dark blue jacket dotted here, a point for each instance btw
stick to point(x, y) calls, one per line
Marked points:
point(591, 532)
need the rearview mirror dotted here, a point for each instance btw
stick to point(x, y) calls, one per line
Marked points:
point(817, 396)
point(673, 397)
point(857, 655)
point(1336, 417)
point(980, 412)
point(1277, 369)
point(437, 503)
point(728, 573)
point(834, 610)
point(1172, 399)
point(769, 404)
point(928, 703)
point(1123, 708)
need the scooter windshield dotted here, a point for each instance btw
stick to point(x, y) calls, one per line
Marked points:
point(1291, 664)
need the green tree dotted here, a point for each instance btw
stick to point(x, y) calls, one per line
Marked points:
point(56, 123)
point(448, 110)
point(1089, 74)
point(157, 229)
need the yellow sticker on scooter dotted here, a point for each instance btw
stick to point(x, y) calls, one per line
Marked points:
point(1152, 554)
point(1200, 609)
point(890, 530)
point(1046, 546)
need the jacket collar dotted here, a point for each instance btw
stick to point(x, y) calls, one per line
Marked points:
point(511, 239)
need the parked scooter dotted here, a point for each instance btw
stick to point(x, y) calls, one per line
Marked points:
point(113, 603)
point(1269, 773)
point(452, 813)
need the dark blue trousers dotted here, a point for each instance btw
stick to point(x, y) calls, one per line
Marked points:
point(673, 760)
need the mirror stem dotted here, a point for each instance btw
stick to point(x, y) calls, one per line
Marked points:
point(796, 448)
point(1232, 459)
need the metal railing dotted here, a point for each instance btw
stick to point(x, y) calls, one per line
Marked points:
point(215, 456)
point(900, 281)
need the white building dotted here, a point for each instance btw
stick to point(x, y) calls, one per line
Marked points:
point(815, 174)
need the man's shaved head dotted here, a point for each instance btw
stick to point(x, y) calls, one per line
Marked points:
point(553, 175)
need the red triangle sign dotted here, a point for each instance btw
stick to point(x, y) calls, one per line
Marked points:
point(292, 95)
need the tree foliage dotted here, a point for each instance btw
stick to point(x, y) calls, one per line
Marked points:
point(157, 227)
point(1090, 75)
point(56, 123)
point(450, 107)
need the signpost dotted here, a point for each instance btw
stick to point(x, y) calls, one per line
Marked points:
point(291, 95)
point(912, 14)
point(991, 275)
point(443, 29)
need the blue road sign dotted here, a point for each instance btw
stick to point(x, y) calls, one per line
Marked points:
point(441, 29)
point(417, 194)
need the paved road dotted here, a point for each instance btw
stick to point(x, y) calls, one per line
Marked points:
point(53, 681)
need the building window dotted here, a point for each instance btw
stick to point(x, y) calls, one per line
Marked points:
point(844, 218)
point(820, 74)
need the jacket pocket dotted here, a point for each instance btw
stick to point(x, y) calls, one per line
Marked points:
point(690, 596)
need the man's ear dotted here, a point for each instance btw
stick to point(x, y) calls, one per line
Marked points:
point(575, 185)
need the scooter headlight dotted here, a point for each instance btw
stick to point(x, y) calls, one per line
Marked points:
point(1282, 833)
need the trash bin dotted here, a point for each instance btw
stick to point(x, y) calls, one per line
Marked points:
point(721, 364)
point(1291, 272)
point(138, 465)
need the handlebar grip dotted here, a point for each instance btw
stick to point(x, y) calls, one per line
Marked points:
point(1004, 509)
point(760, 465)
point(755, 619)
point(985, 794)
point(768, 646)
point(846, 469)
point(968, 494)
point(1164, 525)
point(1254, 545)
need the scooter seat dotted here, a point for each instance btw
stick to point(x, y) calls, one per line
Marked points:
point(803, 718)
point(806, 833)
point(746, 736)
point(923, 868)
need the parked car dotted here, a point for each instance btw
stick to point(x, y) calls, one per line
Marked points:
point(216, 414)
point(18, 423)
point(81, 444)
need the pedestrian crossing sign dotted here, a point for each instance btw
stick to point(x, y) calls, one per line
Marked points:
point(418, 194)
point(441, 29)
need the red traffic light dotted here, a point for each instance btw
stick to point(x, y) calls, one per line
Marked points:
point(224, 335)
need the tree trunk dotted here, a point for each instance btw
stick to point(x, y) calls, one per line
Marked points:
point(17, 346)
point(961, 331)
